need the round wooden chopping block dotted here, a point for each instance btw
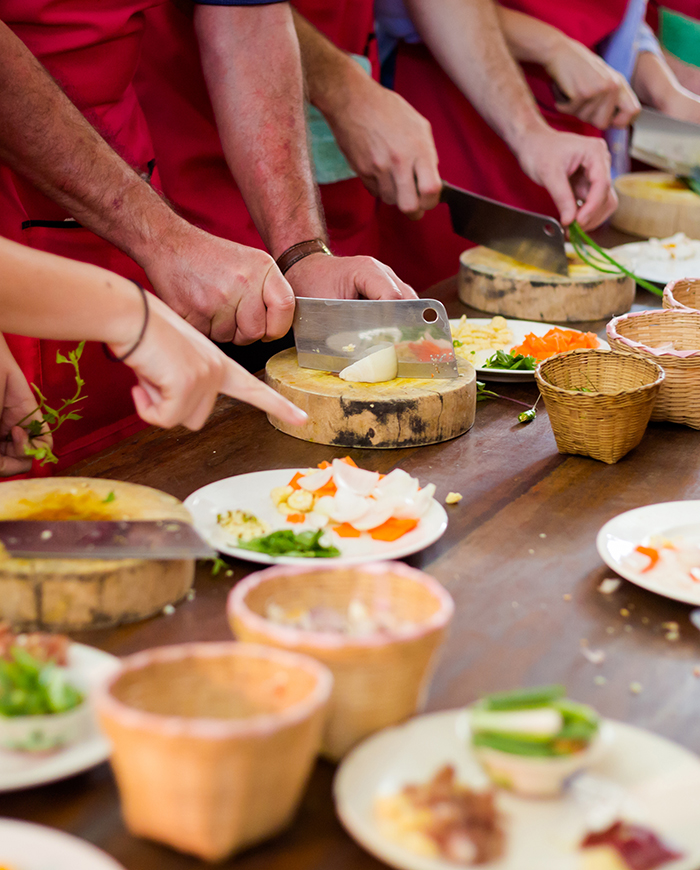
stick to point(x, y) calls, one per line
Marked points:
point(498, 284)
point(405, 412)
point(656, 204)
point(74, 594)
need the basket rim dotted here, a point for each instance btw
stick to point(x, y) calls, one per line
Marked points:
point(668, 294)
point(614, 335)
point(204, 728)
point(236, 607)
point(545, 384)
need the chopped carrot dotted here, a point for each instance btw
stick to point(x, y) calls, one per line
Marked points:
point(652, 553)
point(294, 482)
point(348, 461)
point(327, 489)
point(296, 518)
point(557, 340)
point(324, 464)
point(392, 529)
point(345, 530)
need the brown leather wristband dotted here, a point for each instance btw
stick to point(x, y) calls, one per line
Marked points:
point(297, 252)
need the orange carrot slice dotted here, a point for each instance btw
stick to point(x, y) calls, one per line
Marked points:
point(296, 518)
point(652, 553)
point(294, 482)
point(345, 530)
point(392, 529)
point(327, 489)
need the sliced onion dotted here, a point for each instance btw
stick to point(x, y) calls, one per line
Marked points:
point(348, 506)
point(380, 364)
point(357, 480)
point(312, 482)
point(397, 484)
point(379, 513)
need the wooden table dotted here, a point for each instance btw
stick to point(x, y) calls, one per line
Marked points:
point(518, 556)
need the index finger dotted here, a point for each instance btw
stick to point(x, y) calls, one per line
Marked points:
point(597, 198)
point(240, 384)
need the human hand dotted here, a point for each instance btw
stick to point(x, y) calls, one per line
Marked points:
point(17, 404)
point(595, 92)
point(573, 169)
point(229, 292)
point(181, 373)
point(321, 276)
point(389, 145)
point(684, 106)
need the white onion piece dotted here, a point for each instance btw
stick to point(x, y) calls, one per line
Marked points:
point(312, 482)
point(379, 513)
point(348, 506)
point(397, 484)
point(317, 520)
point(378, 365)
point(357, 480)
point(414, 508)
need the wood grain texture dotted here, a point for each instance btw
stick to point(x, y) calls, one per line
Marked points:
point(399, 413)
point(543, 297)
point(656, 204)
point(518, 557)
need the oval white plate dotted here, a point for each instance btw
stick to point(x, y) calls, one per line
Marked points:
point(87, 667)
point(251, 493)
point(519, 328)
point(620, 535)
point(635, 255)
point(24, 846)
point(639, 768)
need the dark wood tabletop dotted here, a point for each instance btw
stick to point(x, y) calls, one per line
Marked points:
point(519, 558)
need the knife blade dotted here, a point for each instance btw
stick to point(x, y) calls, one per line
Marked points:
point(330, 334)
point(103, 539)
point(528, 237)
point(667, 143)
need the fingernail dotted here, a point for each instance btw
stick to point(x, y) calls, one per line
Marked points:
point(300, 416)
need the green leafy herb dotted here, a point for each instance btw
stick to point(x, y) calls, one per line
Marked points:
point(456, 342)
point(305, 545)
point(216, 565)
point(110, 497)
point(29, 687)
point(512, 361)
point(482, 395)
point(599, 258)
point(527, 416)
point(53, 418)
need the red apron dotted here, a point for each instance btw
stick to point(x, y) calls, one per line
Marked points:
point(193, 169)
point(471, 154)
point(91, 49)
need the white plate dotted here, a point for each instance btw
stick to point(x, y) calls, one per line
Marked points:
point(620, 535)
point(519, 328)
point(639, 768)
point(87, 667)
point(636, 256)
point(24, 846)
point(251, 493)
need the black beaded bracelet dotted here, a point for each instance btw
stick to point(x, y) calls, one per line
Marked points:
point(108, 352)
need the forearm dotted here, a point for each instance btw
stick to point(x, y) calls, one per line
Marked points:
point(466, 40)
point(259, 108)
point(45, 296)
point(656, 85)
point(529, 40)
point(45, 138)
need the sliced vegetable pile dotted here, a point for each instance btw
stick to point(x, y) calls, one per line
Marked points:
point(537, 722)
point(305, 545)
point(511, 361)
point(29, 687)
point(556, 340)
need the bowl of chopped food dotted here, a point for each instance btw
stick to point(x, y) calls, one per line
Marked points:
point(599, 402)
point(213, 743)
point(533, 741)
point(40, 708)
point(378, 627)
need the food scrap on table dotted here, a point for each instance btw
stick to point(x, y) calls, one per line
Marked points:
point(443, 819)
point(453, 497)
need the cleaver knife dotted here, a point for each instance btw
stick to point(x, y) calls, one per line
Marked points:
point(330, 334)
point(667, 144)
point(103, 539)
point(528, 237)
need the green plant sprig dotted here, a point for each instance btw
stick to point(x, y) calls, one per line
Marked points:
point(53, 418)
point(482, 395)
point(581, 241)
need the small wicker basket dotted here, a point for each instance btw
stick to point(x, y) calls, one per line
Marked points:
point(213, 743)
point(683, 294)
point(379, 678)
point(599, 401)
point(671, 338)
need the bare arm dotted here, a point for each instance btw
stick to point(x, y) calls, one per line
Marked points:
point(385, 140)
point(656, 85)
point(466, 39)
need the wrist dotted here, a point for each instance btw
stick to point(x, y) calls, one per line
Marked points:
point(124, 322)
point(301, 251)
point(337, 92)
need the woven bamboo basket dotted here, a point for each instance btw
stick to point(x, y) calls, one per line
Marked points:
point(379, 679)
point(671, 338)
point(213, 743)
point(599, 401)
point(683, 294)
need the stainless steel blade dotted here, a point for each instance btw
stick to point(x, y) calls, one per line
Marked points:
point(80, 539)
point(531, 238)
point(330, 334)
point(666, 143)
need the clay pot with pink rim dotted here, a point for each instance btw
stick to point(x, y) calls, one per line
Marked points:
point(213, 743)
point(380, 678)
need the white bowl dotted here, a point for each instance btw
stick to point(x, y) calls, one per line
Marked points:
point(44, 733)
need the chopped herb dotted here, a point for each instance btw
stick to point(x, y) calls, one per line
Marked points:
point(456, 342)
point(527, 416)
point(216, 565)
point(511, 361)
point(29, 687)
point(305, 545)
point(482, 394)
point(110, 497)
